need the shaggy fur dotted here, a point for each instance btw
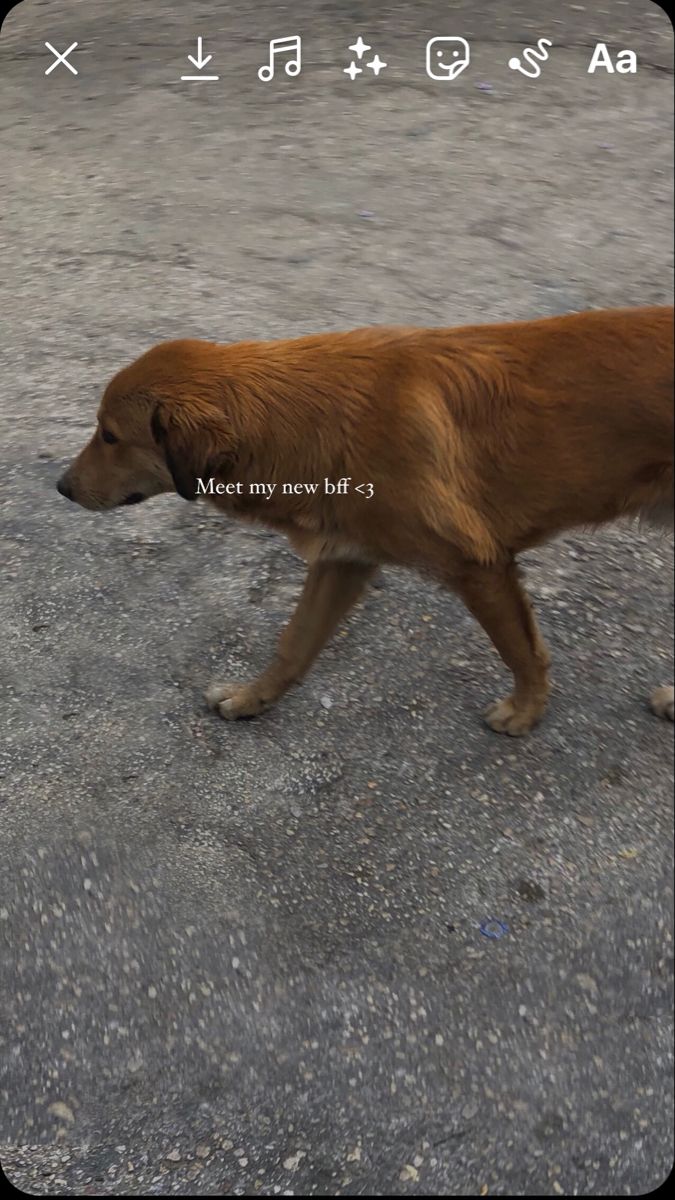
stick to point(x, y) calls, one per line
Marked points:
point(479, 442)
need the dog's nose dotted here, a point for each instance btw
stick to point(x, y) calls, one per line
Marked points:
point(65, 489)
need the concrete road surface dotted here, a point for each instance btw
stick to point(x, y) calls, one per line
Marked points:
point(248, 959)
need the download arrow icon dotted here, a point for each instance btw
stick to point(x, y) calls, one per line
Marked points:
point(200, 61)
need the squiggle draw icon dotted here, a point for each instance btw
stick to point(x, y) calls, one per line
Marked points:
point(532, 58)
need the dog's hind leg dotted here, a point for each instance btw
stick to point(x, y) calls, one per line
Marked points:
point(496, 599)
point(330, 590)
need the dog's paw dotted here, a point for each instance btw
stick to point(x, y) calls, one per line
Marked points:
point(662, 702)
point(504, 716)
point(235, 700)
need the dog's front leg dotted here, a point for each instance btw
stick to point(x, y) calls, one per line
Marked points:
point(330, 590)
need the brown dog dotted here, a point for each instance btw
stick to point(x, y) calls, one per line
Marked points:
point(459, 447)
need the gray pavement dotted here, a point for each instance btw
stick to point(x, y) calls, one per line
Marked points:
point(248, 959)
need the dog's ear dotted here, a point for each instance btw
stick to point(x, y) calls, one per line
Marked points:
point(197, 442)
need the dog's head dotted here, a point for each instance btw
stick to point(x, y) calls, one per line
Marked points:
point(162, 425)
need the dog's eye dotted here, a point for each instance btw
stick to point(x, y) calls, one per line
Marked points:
point(109, 437)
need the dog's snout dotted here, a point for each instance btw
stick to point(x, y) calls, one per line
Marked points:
point(64, 488)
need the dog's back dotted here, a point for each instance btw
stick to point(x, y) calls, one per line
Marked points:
point(571, 420)
point(619, 418)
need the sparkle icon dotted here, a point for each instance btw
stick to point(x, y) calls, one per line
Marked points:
point(376, 65)
point(359, 47)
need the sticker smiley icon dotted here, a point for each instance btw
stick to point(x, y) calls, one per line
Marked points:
point(447, 57)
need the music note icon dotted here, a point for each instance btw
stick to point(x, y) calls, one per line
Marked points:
point(283, 45)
